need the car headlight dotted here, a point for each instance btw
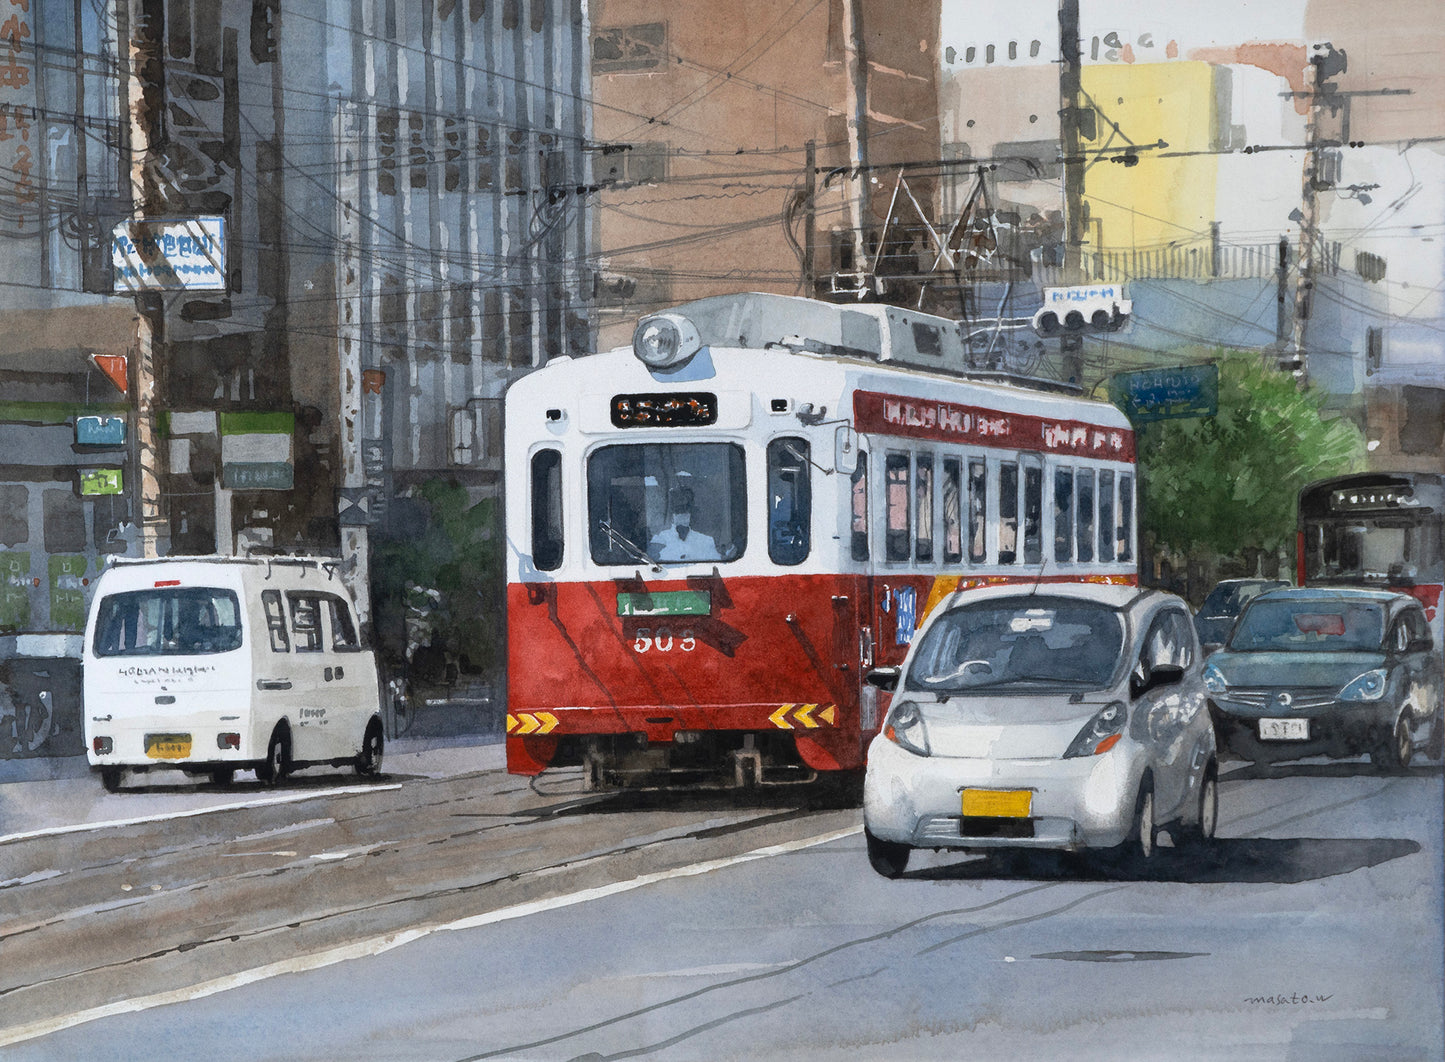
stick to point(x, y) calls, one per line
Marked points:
point(904, 727)
point(1101, 733)
point(1214, 679)
point(1367, 687)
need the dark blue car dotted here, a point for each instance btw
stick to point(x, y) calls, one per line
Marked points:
point(1222, 607)
point(1329, 672)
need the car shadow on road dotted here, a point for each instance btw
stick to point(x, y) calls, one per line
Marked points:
point(1242, 860)
point(1248, 772)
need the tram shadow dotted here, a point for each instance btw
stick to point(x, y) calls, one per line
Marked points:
point(793, 799)
point(1242, 860)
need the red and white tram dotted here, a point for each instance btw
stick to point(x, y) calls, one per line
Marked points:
point(713, 534)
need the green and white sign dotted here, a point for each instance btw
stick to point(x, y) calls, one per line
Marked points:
point(256, 450)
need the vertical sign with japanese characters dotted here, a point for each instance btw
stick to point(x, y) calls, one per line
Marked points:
point(19, 137)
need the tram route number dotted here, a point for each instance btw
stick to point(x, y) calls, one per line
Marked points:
point(663, 640)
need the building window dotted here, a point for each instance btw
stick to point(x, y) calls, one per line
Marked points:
point(14, 514)
point(64, 522)
point(1374, 349)
point(627, 49)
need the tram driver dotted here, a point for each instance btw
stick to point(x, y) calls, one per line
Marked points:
point(678, 541)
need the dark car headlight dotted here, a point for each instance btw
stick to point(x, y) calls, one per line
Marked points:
point(1101, 733)
point(1367, 687)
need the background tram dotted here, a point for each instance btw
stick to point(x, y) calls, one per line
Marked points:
point(1384, 529)
point(713, 534)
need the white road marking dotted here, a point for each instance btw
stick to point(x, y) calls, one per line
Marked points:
point(362, 949)
point(289, 798)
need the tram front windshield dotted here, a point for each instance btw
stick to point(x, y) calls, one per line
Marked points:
point(1395, 549)
point(666, 503)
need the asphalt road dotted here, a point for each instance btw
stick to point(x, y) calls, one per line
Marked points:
point(450, 911)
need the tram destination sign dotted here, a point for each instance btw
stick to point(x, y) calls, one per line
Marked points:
point(1166, 394)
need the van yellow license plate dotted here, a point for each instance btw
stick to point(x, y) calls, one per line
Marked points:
point(998, 803)
point(168, 746)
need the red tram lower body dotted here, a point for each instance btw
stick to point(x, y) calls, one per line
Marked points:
point(727, 680)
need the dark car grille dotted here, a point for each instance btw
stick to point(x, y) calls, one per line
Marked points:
point(1301, 700)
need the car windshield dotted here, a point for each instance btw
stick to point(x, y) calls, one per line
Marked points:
point(1024, 642)
point(1316, 625)
point(167, 621)
point(666, 503)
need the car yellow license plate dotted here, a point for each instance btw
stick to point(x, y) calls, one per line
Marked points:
point(168, 746)
point(998, 803)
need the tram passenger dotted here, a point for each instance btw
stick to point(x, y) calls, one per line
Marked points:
point(678, 541)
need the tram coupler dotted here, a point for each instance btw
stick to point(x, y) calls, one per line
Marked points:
point(747, 768)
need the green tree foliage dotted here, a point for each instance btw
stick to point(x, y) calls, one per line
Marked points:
point(1220, 485)
point(437, 583)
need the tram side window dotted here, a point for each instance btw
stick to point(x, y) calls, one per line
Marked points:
point(1033, 514)
point(977, 511)
point(1008, 512)
point(1126, 517)
point(923, 494)
point(1084, 513)
point(896, 533)
point(1063, 514)
point(858, 523)
point(547, 510)
point(790, 505)
point(952, 514)
point(1106, 514)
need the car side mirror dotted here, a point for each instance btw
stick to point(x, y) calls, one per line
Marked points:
point(1158, 675)
point(883, 678)
point(1420, 645)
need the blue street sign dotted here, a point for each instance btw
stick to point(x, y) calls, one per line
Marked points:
point(1166, 394)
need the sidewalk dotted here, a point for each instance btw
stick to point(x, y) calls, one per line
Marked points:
point(60, 793)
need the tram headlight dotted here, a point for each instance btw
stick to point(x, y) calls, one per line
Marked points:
point(665, 340)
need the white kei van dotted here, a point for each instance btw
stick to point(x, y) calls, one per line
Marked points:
point(217, 664)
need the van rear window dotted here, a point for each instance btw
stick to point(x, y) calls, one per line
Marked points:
point(170, 621)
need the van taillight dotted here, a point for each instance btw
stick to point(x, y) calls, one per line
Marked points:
point(228, 741)
point(101, 745)
point(168, 582)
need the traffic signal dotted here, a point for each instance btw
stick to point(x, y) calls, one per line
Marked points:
point(1081, 310)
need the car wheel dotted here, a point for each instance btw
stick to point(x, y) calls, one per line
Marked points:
point(1394, 754)
point(368, 761)
point(1435, 747)
point(278, 758)
point(889, 858)
point(110, 778)
point(1139, 846)
point(1199, 833)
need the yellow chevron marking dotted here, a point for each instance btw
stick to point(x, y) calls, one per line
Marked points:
point(804, 715)
point(529, 723)
point(548, 722)
point(511, 722)
point(779, 718)
point(829, 714)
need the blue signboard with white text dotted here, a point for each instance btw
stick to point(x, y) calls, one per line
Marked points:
point(1166, 394)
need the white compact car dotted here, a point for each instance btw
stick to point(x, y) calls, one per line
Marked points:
point(1071, 717)
point(216, 664)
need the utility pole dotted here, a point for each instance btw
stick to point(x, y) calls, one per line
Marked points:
point(810, 190)
point(856, 89)
point(1071, 141)
point(145, 94)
